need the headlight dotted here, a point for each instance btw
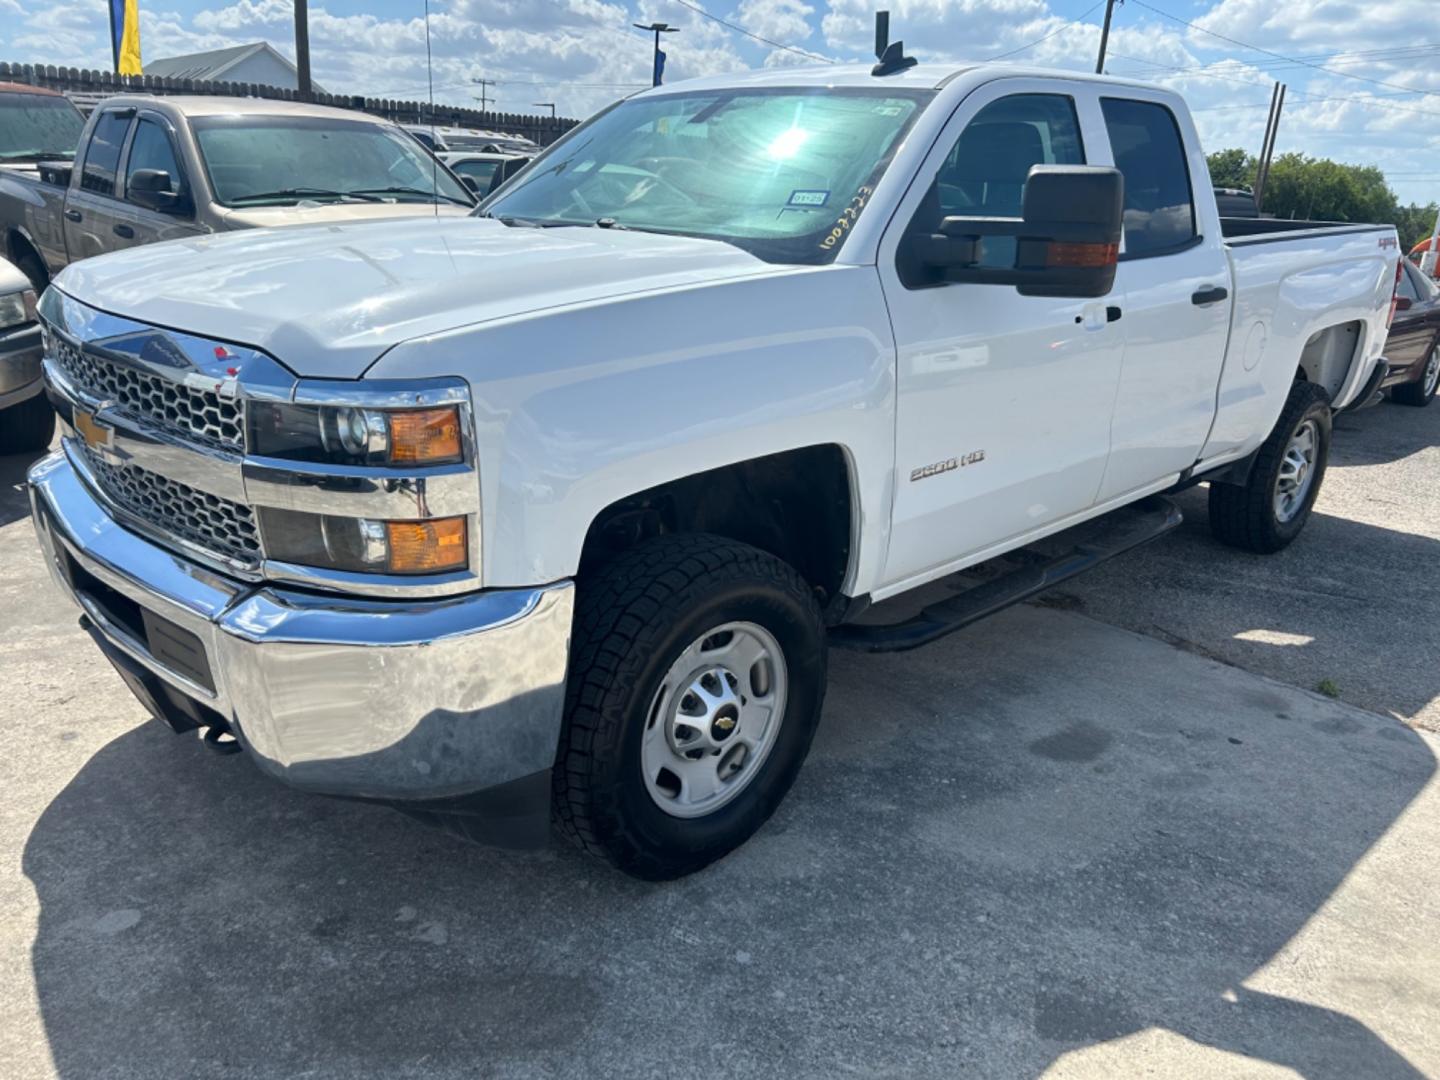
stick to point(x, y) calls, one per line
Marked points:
point(363, 545)
point(349, 435)
point(17, 308)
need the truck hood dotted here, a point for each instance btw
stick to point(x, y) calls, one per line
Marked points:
point(328, 300)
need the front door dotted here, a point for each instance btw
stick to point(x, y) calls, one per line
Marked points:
point(1004, 401)
point(152, 146)
point(1176, 280)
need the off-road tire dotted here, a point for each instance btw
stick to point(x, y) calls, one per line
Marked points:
point(1244, 516)
point(27, 427)
point(633, 618)
point(1415, 394)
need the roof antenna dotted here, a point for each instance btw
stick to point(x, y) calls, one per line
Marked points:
point(891, 54)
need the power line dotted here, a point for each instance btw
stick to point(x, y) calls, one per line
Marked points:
point(1073, 22)
point(1281, 56)
point(741, 30)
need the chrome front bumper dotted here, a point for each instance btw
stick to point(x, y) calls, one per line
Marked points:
point(423, 702)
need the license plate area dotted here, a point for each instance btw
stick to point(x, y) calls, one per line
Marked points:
point(172, 646)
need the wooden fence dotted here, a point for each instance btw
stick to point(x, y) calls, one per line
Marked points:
point(89, 86)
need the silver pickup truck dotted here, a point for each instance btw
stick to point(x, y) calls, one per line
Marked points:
point(149, 169)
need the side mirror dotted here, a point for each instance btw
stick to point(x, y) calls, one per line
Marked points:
point(154, 189)
point(1067, 240)
point(1403, 303)
point(471, 183)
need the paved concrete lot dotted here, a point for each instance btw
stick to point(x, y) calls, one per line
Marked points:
point(1045, 846)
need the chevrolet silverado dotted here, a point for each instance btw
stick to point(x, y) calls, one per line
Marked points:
point(552, 512)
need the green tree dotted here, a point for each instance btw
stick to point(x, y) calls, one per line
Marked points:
point(1232, 168)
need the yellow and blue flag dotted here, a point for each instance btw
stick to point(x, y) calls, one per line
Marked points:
point(125, 36)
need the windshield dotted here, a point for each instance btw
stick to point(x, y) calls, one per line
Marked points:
point(780, 173)
point(38, 126)
point(276, 161)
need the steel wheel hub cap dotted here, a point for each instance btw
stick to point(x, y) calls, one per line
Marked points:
point(1297, 471)
point(714, 719)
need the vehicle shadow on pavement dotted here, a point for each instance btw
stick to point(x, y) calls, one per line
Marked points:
point(1021, 843)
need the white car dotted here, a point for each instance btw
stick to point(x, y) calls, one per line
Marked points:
point(553, 511)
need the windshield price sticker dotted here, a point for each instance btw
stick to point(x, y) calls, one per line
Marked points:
point(846, 219)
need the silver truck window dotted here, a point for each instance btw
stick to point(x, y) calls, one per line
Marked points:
point(782, 173)
point(34, 126)
point(1148, 149)
point(102, 156)
point(273, 161)
point(151, 149)
point(984, 174)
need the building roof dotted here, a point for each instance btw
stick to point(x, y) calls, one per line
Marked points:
point(215, 64)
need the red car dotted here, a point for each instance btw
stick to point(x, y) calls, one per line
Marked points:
point(1413, 348)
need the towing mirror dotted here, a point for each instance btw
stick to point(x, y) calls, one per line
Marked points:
point(1067, 240)
point(154, 189)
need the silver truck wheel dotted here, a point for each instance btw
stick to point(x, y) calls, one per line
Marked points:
point(714, 719)
point(1297, 471)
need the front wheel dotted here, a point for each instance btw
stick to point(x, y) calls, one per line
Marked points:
point(1422, 392)
point(697, 676)
point(1269, 510)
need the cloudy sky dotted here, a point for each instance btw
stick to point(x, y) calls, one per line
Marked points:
point(1364, 78)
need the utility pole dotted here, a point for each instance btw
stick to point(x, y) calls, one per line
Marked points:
point(484, 96)
point(659, 28)
point(1105, 36)
point(544, 105)
point(302, 47)
point(1267, 148)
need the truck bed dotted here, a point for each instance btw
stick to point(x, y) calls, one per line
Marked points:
point(1263, 230)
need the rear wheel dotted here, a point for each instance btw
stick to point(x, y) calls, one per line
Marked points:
point(1422, 392)
point(1269, 510)
point(697, 675)
point(28, 426)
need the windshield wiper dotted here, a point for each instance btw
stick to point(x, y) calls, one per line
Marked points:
point(306, 192)
point(409, 191)
point(35, 155)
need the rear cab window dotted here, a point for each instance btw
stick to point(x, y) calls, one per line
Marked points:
point(1149, 151)
point(102, 155)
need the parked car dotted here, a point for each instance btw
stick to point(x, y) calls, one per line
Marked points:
point(26, 420)
point(164, 168)
point(556, 508)
point(441, 139)
point(483, 173)
point(1413, 349)
point(1236, 203)
point(35, 125)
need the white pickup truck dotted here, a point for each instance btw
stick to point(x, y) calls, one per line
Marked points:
point(553, 511)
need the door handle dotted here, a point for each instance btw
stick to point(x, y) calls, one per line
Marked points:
point(126, 231)
point(1113, 313)
point(1210, 294)
point(73, 215)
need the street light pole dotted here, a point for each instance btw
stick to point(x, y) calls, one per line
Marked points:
point(544, 105)
point(1104, 37)
point(659, 28)
point(302, 48)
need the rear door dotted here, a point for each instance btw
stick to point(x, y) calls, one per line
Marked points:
point(1175, 277)
point(94, 209)
point(153, 145)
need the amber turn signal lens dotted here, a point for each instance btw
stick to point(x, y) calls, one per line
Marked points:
point(425, 436)
point(419, 547)
point(1063, 254)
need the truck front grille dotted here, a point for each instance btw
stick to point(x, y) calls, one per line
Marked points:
point(214, 524)
point(191, 413)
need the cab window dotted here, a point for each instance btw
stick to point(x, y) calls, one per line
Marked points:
point(985, 172)
point(151, 149)
point(1149, 152)
point(102, 156)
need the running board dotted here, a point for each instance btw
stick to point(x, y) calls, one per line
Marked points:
point(1118, 532)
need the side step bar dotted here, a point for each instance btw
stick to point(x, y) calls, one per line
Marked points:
point(1118, 532)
